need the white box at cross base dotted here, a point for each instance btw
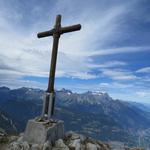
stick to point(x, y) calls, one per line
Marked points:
point(39, 132)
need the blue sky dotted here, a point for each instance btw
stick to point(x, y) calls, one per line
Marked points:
point(111, 53)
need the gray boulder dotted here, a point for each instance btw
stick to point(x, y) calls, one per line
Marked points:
point(19, 146)
point(90, 146)
point(47, 146)
point(60, 145)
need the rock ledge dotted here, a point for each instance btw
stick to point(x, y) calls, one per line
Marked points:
point(72, 141)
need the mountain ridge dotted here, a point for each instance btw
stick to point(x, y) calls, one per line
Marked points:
point(95, 114)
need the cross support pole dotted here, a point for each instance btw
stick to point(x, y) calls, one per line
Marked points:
point(49, 99)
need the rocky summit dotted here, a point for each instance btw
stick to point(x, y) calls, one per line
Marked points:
point(71, 141)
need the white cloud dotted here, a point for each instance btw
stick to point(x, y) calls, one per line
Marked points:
point(119, 50)
point(117, 85)
point(108, 64)
point(143, 93)
point(144, 70)
point(17, 83)
point(119, 74)
point(22, 51)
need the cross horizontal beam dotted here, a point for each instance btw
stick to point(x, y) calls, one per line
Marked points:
point(59, 31)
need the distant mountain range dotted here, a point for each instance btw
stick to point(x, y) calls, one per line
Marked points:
point(94, 114)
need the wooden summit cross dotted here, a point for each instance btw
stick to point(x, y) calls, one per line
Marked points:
point(49, 101)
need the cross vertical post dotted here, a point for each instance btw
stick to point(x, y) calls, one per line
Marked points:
point(49, 99)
